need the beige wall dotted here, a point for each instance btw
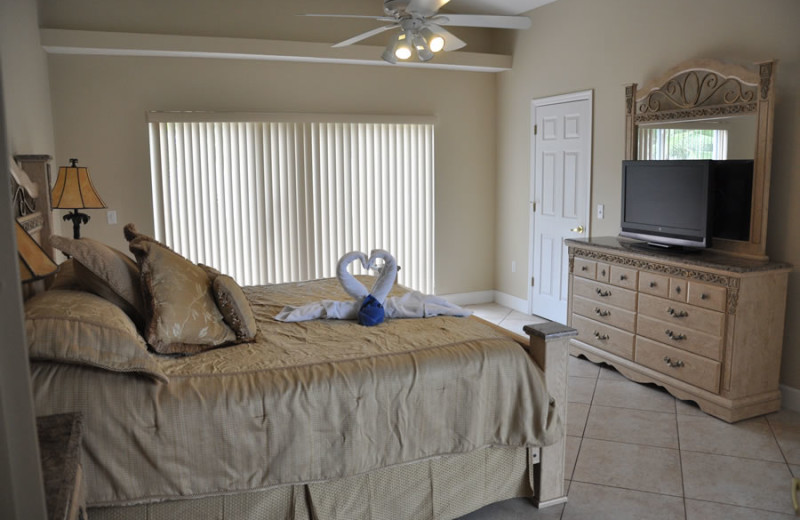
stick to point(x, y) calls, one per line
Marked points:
point(99, 106)
point(577, 45)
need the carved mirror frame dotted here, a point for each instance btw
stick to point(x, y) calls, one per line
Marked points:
point(707, 89)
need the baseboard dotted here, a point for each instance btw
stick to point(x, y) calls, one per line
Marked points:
point(512, 302)
point(470, 298)
point(790, 398)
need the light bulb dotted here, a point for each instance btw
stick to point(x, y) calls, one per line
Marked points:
point(403, 50)
point(436, 43)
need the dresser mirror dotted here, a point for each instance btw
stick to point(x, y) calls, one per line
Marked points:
point(706, 109)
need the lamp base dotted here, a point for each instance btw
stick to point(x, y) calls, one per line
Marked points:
point(77, 219)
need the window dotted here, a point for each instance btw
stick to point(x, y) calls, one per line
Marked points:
point(271, 198)
point(682, 143)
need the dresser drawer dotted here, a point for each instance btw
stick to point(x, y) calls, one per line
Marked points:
point(603, 313)
point(605, 293)
point(690, 368)
point(610, 339)
point(677, 336)
point(708, 296)
point(685, 315)
point(584, 268)
point(652, 283)
point(624, 277)
point(603, 272)
point(677, 289)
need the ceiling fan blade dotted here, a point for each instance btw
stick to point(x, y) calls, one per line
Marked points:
point(451, 41)
point(379, 18)
point(483, 20)
point(425, 7)
point(364, 36)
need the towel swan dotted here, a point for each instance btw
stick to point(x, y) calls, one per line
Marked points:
point(371, 307)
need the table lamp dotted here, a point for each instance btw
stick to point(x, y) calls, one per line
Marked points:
point(73, 190)
point(34, 263)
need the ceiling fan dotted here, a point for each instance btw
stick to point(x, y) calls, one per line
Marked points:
point(421, 30)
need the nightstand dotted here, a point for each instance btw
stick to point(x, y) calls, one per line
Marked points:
point(60, 451)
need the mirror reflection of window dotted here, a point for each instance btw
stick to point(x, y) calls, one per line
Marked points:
point(682, 143)
point(722, 138)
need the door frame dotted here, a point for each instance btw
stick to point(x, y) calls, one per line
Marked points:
point(583, 95)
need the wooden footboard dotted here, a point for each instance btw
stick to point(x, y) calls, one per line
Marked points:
point(548, 346)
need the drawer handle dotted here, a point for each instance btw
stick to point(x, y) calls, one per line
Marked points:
point(584, 268)
point(675, 337)
point(623, 277)
point(602, 293)
point(601, 337)
point(601, 312)
point(678, 290)
point(677, 314)
point(653, 284)
point(673, 364)
point(704, 296)
point(603, 272)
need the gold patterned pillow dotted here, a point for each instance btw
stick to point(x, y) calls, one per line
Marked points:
point(235, 308)
point(182, 316)
point(82, 328)
point(105, 272)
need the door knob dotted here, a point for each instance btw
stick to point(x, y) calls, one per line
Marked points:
point(578, 229)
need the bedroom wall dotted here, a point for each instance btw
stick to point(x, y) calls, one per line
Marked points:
point(577, 45)
point(99, 106)
point(25, 127)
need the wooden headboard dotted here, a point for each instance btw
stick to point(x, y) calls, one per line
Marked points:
point(30, 189)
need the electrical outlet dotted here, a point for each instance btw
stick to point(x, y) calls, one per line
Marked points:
point(600, 211)
point(111, 216)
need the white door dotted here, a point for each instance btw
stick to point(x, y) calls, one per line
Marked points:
point(561, 163)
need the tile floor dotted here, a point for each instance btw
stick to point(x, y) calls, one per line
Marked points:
point(635, 452)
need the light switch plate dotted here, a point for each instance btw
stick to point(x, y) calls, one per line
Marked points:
point(111, 216)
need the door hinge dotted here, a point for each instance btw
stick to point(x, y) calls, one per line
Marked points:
point(533, 205)
point(532, 281)
point(535, 129)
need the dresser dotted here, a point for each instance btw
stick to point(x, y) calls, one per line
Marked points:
point(706, 326)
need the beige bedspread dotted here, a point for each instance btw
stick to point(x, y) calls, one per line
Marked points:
point(305, 402)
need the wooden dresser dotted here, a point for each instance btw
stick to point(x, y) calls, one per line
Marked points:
point(705, 326)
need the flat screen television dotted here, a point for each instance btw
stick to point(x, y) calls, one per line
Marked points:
point(668, 203)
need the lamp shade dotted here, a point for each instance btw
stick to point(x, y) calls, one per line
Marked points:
point(74, 189)
point(34, 263)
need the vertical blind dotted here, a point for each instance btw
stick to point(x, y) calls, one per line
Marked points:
point(682, 143)
point(280, 201)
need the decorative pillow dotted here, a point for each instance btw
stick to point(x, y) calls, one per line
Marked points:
point(106, 272)
point(66, 279)
point(234, 307)
point(182, 316)
point(82, 328)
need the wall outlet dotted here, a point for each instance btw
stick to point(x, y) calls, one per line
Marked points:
point(513, 266)
point(111, 216)
point(600, 211)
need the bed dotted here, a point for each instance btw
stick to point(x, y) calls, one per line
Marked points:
point(325, 419)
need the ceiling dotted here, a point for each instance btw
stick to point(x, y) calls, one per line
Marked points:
point(507, 7)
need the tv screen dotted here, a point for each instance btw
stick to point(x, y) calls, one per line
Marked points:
point(667, 203)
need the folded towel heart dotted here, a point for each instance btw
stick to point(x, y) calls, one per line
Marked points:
point(370, 308)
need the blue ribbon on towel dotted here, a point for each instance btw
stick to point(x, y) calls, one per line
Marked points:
point(371, 312)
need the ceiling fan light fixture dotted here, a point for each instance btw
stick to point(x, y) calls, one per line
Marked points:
point(402, 47)
point(435, 41)
point(388, 53)
point(421, 46)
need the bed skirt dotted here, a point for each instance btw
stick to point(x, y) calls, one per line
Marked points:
point(440, 488)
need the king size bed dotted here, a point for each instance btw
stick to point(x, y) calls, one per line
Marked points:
point(324, 419)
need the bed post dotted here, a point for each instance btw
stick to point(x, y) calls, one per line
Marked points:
point(549, 348)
